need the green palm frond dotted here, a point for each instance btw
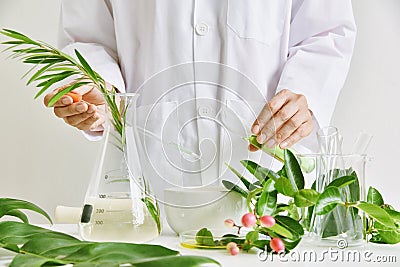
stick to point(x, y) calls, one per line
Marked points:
point(50, 66)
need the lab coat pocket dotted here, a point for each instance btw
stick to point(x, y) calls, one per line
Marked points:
point(258, 20)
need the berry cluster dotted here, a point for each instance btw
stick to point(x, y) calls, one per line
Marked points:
point(250, 220)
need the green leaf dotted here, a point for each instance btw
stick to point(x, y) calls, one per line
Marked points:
point(262, 244)
point(281, 230)
point(153, 210)
point(62, 92)
point(252, 197)
point(252, 236)
point(246, 183)
point(293, 171)
point(42, 58)
point(282, 172)
point(194, 261)
point(354, 187)
point(43, 61)
point(47, 77)
point(291, 225)
point(376, 212)
point(343, 181)
point(31, 51)
point(12, 43)
point(281, 207)
point(289, 245)
point(18, 214)
point(328, 200)
point(86, 65)
point(41, 53)
point(394, 214)
point(269, 185)
point(43, 246)
point(266, 204)
point(9, 204)
point(374, 197)
point(307, 164)
point(293, 210)
point(261, 173)
point(275, 152)
point(305, 197)
point(39, 72)
point(387, 235)
point(47, 84)
point(18, 36)
point(283, 186)
point(24, 260)
point(204, 237)
point(247, 246)
point(232, 187)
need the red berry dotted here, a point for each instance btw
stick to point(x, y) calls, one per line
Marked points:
point(229, 223)
point(277, 245)
point(234, 251)
point(267, 221)
point(231, 245)
point(249, 220)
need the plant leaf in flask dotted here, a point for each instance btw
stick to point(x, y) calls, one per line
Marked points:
point(118, 203)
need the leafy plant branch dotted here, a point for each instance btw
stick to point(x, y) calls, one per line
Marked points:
point(50, 66)
point(383, 222)
point(37, 246)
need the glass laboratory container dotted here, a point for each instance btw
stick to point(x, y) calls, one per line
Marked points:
point(118, 204)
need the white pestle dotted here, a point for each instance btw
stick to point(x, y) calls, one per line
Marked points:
point(64, 214)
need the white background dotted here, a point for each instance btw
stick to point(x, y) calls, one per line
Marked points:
point(49, 163)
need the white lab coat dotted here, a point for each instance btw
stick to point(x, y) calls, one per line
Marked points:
point(302, 45)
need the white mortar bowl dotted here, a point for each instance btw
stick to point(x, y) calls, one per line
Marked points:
point(195, 208)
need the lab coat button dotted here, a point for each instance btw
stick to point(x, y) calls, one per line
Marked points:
point(201, 29)
point(205, 111)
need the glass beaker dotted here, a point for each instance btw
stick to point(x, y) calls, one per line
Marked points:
point(341, 223)
point(118, 203)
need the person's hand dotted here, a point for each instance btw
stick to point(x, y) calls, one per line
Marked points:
point(86, 114)
point(284, 120)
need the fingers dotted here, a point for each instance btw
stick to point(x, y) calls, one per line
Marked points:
point(91, 94)
point(86, 121)
point(285, 115)
point(74, 109)
point(304, 130)
point(266, 114)
point(78, 118)
point(90, 123)
point(284, 120)
point(81, 115)
point(289, 129)
point(63, 101)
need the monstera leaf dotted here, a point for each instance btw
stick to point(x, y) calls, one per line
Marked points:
point(35, 246)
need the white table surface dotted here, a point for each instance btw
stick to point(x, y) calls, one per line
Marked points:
point(369, 254)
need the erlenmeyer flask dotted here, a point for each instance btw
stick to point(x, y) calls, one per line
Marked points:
point(118, 204)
